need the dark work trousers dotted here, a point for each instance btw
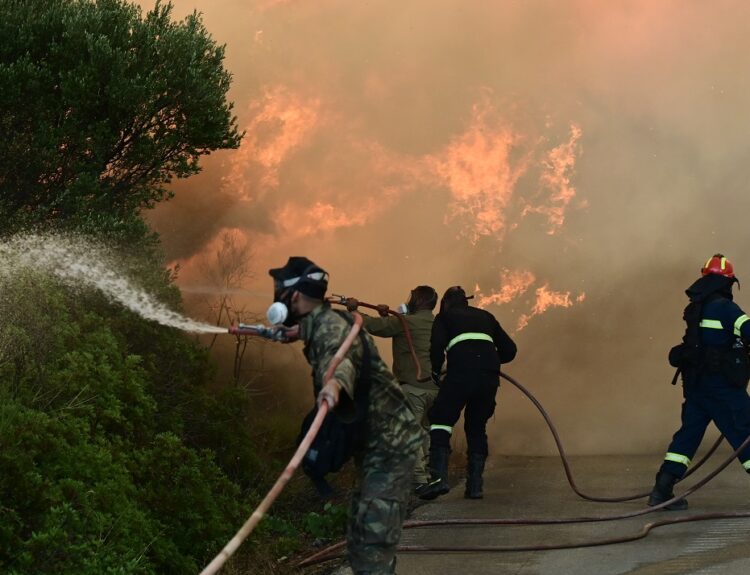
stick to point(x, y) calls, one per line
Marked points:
point(476, 392)
point(711, 398)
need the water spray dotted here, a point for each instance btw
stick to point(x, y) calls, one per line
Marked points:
point(79, 262)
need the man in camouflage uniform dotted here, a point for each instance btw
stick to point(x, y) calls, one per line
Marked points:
point(386, 461)
point(420, 393)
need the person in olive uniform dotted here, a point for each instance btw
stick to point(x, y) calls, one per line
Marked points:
point(386, 460)
point(421, 392)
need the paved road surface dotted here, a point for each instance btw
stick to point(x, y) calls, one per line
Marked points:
point(536, 487)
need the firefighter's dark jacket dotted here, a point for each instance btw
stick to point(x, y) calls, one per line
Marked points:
point(722, 320)
point(469, 354)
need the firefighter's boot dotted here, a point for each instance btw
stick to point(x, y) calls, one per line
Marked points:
point(663, 491)
point(474, 470)
point(438, 485)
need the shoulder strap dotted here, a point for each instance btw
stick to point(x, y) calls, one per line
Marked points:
point(692, 315)
point(362, 393)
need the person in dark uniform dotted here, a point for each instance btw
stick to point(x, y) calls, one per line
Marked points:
point(475, 345)
point(714, 366)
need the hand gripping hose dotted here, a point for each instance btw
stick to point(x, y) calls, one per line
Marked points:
point(234, 543)
point(342, 300)
point(332, 552)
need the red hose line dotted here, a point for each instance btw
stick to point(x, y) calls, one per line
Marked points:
point(328, 553)
point(564, 457)
point(645, 530)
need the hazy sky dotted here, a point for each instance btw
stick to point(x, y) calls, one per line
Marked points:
point(573, 163)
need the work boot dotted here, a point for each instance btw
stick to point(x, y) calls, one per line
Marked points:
point(663, 491)
point(474, 470)
point(438, 485)
point(418, 488)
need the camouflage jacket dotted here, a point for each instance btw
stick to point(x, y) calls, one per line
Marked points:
point(322, 331)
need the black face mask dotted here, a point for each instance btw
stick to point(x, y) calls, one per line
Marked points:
point(410, 303)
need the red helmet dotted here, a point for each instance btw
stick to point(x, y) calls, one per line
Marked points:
point(719, 265)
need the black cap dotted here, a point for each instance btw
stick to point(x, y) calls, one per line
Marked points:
point(303, 275)
point(454, 297)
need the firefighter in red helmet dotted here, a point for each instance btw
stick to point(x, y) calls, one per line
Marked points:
point(715, 371)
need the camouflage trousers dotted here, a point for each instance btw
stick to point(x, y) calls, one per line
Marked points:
point(379, 502)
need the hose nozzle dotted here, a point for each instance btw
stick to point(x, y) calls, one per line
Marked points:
point(275, 333)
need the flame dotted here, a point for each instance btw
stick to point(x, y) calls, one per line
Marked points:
point(281, 122)
point(546, 298)
point(359, 198)
point(478, 169)
point(558, 165)
point(482, 168)
point(514, 283)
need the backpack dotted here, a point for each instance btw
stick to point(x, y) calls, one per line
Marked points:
point(336, 441)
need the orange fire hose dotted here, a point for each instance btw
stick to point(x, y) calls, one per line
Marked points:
point(234, 543)
point(332, 552)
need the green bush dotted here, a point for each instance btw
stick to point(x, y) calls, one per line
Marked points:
point(96, 478)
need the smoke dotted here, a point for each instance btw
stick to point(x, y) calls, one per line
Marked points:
point(573, 163)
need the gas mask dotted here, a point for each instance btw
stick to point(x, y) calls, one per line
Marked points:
point(407, 307)
point(279, 312)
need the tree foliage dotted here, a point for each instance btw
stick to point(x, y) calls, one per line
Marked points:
point(101, 107)
point(115, 457)
point(95, 478)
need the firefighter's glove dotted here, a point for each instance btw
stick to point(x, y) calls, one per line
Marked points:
point(382, 310)
point(436, 378)
point(330, 393)
point(351, 304)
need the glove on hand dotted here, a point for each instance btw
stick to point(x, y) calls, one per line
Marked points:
point(383, 310)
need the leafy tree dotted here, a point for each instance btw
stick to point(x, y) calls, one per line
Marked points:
point(101, 107)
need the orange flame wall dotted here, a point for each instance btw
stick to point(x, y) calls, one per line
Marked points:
point(574, 161)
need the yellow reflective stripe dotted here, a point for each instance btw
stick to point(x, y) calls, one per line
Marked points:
point(738, 324)
point(746, 465)
point(677, 458)
point(708, 261)
point(723, 263)
point(468, 335)
point(447, 428)
point(711, 324)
